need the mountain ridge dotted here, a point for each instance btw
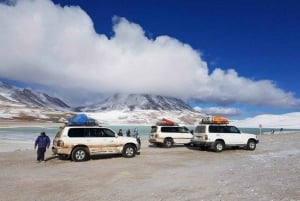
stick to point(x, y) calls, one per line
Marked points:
point(130, 102)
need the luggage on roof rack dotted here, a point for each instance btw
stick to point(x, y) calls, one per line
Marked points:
point(81, 120)
point(214, 120)
point(166, 122)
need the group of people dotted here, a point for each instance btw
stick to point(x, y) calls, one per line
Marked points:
point(128, 132)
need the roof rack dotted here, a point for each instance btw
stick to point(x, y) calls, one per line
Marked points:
point(214, 120)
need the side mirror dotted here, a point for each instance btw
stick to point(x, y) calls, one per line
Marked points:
point(192, 131)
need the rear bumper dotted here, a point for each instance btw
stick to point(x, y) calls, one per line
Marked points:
point(156, 140)
point(202, 143)
point(60, 151)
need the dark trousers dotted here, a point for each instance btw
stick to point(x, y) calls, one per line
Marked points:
point(41, 153)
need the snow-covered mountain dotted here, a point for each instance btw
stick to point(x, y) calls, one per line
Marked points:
point(25, 104)
point(131, 102)
point(29, 97)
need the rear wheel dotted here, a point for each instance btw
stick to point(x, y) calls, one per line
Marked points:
point(251, 145)
point(168, 143)
point(129, 151)
point(218, 146)
point(79, 154)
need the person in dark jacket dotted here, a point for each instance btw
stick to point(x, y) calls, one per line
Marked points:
point(42, 142)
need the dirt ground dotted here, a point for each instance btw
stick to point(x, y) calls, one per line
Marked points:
point(271, 172)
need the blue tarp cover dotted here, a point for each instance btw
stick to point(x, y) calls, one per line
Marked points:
point(81, 119)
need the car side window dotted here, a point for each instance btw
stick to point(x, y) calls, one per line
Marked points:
point(108, 133)
point(76, 132)
point(215, 129)
point(95, 132)
point(170, 129)
point(183, 130)
point(233, 129)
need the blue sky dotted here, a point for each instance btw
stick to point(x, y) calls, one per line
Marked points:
point(254, 43)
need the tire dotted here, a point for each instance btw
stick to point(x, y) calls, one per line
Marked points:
point(251, 145)
point(218, 146)
point(79, 154)
point(129, 151)
point(168, 143)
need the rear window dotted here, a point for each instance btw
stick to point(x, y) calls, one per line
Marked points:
point(153, 129)
point(200, 129)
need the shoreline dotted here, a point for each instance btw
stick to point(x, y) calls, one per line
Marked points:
point(5, 124)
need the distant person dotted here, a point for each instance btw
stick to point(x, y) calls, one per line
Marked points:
point(120, 133)
point(128, 132)
point(42, 142)
point(281, 129)
point(135, 132)
point(272, 131)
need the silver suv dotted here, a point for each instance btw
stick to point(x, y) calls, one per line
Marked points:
point(79, 142)
point(219, 136)
point(170, 135)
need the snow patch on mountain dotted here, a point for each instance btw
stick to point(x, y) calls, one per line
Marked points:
point(131, 102)
point(145, 117)
point(30, 98)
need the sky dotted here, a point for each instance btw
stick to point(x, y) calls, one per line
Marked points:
point(235, 58)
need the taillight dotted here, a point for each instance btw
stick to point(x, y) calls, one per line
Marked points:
point(60, 143)
point(205, 137)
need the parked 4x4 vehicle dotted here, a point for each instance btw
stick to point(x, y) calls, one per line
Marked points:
point(168, 133)
point(218, 136)
point(79, 142)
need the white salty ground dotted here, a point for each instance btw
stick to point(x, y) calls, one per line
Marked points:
point(271, 172)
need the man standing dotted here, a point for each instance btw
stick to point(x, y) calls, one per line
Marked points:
point(42, 142)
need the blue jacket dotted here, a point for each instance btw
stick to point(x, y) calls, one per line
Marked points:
point(42, 142)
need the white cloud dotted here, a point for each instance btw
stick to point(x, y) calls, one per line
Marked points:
point(218, 111)
point(58, 47)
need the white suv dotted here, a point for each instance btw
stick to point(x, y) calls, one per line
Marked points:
point(218, 136)
point(79, 142)
point(169, 135)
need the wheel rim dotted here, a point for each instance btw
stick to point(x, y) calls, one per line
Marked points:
point(80, 155)
point(251, 145)
point(168, 143)
point(129, 151)
point(219, 147)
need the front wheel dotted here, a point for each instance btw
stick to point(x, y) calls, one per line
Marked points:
point(129, 151)
point(251, 145)
point(79, 154)
point(218, 146)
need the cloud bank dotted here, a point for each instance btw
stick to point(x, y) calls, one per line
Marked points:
point(58, 47)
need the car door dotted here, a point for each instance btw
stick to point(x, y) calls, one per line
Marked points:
point(100, 140)
point(232, 135)
point(185, 135)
